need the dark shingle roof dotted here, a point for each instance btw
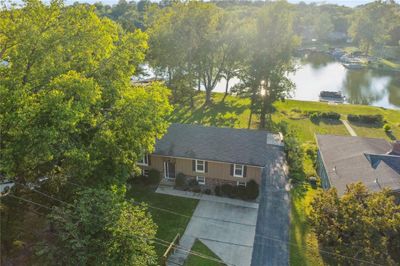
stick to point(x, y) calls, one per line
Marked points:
point(230, 145)
point(353, 159)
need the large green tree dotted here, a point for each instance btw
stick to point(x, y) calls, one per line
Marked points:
point(188, 39)
point(68, 110)
point(372, 23)
point(264, 79)
point(360, 225)
point(100, 228)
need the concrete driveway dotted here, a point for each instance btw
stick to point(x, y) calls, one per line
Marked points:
point(226, 227)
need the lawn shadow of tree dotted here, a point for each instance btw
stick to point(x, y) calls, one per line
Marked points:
point(367, 125)
point(390, 135)
point(223, 114)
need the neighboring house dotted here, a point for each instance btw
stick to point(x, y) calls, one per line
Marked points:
point(343, 160)
point(212, 155)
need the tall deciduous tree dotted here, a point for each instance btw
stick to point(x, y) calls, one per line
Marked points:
point(68, 109)
point(101, 228)
point(360, 225)
point(188, 38)
point(273, 41)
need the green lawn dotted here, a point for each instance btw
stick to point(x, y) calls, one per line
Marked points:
point(234, 112)
point(304, 245)
point(168, 224)
point(306, 128)
point(199, 247)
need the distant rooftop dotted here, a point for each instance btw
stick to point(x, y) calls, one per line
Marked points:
point(353, 159)
point(241, 146)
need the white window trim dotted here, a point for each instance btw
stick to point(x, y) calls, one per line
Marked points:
point(201, 182)
point(204, 166)
point(145, 162)
point(236, 166)
point(238, 183)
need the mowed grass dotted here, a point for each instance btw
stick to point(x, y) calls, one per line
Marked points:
point(199, 247)
point(169, 224)
point(306, 129)
point(234, 112)
point(304, 245)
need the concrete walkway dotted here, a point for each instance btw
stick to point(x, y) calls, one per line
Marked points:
point(349, 128)
point(226, 226)
point(273, 223)
point(192, 195)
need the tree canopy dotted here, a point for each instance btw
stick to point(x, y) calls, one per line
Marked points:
point(362, 225)
point(100, 228)
point(68, 109)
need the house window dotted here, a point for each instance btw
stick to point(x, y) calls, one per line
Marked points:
point(201, 180)
point(144, 160)
point(241, 183)
point(200, 168)
point(238, 170)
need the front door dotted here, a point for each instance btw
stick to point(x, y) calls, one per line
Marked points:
point(169, 169)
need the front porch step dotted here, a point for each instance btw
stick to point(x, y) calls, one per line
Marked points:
point(167, 182)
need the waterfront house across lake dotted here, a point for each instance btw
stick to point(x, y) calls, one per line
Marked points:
point(212, 155)
point(343, 160)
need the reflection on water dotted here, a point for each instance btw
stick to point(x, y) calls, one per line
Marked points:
point(318, 72)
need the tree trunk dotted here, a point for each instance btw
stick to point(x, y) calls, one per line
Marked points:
point(198, 85)
point(227, 86)
point(226, 89)
point(253, 97)
point(264, 107)
point(250, 117)
point(208, 96)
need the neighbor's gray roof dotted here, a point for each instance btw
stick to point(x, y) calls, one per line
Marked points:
point(230, 145)
point(353, 159)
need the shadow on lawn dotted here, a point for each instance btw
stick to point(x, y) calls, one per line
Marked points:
point(374, 125)
point(223, 114)
point(390, 135)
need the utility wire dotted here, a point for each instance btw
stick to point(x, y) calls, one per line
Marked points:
point(210, 220)
point(165, 242)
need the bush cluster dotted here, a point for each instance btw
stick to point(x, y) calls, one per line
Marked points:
point(387, 127)
point(250, 192)
point(180, 180)
point(316, 115)
point(367, 119)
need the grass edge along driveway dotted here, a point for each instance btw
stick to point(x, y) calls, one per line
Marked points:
point(169, 224)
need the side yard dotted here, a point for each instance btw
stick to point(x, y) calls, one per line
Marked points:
point(169, 224)
point(193, 260)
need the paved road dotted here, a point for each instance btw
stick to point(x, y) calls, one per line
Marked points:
point(272, 230)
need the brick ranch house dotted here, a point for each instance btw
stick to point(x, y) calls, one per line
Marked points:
point(211, 155)
point(343, 160)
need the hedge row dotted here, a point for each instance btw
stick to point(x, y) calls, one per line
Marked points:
point(316, 115)
point(368, 119)
point(250, 192)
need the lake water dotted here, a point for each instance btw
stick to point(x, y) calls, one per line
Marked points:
point(317, 72)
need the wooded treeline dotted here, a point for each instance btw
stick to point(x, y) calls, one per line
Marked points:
point(196, 44)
